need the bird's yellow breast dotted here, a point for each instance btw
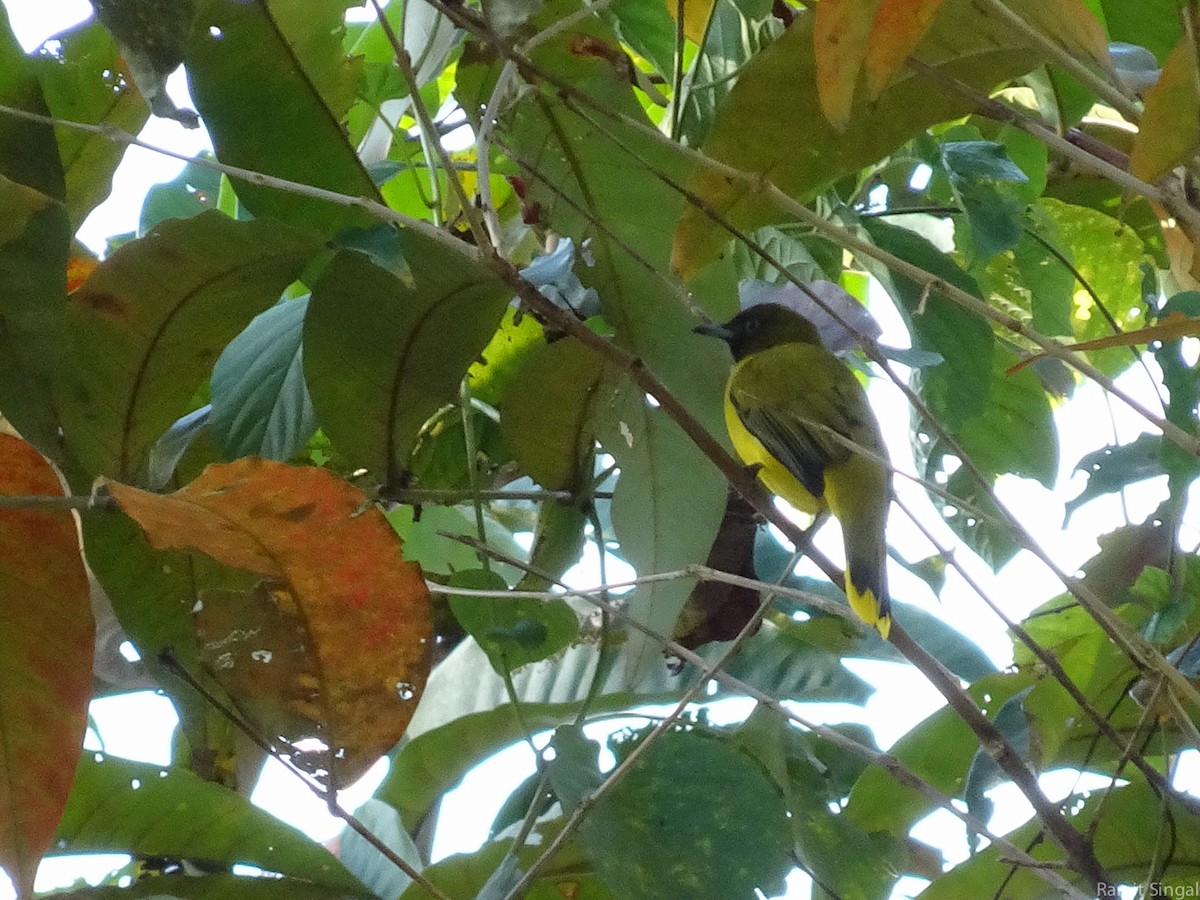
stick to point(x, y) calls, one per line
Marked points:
point(777, 479)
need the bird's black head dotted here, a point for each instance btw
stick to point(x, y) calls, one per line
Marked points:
point(762, 326)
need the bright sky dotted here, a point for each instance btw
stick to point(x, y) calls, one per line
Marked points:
point(902, 697)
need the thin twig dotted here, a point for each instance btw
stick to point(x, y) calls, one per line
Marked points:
point(1000, 112)
point(886, 761)
point(1054, 667)
point(429, 130)
point(1108, 92)
point(327, 795)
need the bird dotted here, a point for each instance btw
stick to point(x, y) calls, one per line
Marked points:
point(799, 416)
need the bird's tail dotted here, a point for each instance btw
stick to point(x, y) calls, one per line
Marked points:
point(866, 577)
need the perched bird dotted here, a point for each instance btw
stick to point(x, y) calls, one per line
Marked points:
point(793, 409)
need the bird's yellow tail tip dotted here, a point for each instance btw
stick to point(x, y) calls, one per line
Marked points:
point(867, 608)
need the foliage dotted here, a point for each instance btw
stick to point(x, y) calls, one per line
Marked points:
point(344, 412)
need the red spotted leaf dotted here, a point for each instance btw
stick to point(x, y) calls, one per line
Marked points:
point(333, 643)
point(46, 641)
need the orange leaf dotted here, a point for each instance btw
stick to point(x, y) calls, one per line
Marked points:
point(898, 28)
point(1169, 131)
point(46, 645)
point(1174, 326)
point(79, 267)
point(340, 614)
point(841, 33)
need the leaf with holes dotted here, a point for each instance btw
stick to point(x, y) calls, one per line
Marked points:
point(339, 610)
point(122, 805)
point(45, 661)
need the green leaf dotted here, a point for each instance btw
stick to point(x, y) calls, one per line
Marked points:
point(737, 30)
point(33, 263)
point(693, 817)
point(558, 543)
point(269, 83)
point(1002, 422)
point(260, 404)
point(366, 862)
point(425, 544)
point(465, 714)
point(985, 773)
point(148, 324)
point(669, 499)
point(492, 870)
point(776, 94)
point(210, 887)
point(843, 860)
point(383, 353)
point(956, 390)
point(84, 81)
point(513, 632)
point(1152, 24)
point(518, 337)
point(1050, 284)
point(1108, 258)
point(574, 772)
point(1179, 378)
point(1123, 825)
point(981, 175)
point(939, 750)
point(1114, 468)
point(118, 805)
point(547, 417)
point(190, 193)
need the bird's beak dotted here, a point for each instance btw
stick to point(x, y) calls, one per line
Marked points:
point(714, 329)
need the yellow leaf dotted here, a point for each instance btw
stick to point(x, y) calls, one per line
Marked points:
point(696, 14)
point(1170, 128)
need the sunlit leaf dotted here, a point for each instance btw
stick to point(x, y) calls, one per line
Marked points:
point(1108, 258)
point(695, 16)
point(777, 93)
point(347, 615)
point(549, 418)
point(852, 38)
point(118, 805)
point(45, 660)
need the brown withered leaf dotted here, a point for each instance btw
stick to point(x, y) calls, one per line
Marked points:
point(334, 644)
point(716, 611)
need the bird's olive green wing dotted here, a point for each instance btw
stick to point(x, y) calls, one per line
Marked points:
point(805, 408)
